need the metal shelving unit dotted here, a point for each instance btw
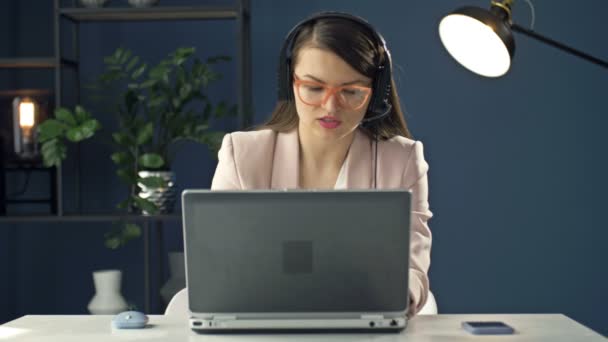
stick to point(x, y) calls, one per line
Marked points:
point(75, 15)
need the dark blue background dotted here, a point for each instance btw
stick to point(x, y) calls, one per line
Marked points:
point(517, 165)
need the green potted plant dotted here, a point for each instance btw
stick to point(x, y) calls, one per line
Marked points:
point(155, 109)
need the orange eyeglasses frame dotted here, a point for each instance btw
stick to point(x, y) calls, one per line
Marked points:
point(329, 91)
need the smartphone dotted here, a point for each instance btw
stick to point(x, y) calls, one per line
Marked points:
point(488, 328)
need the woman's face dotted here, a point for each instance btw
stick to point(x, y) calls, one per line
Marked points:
point(334, 118)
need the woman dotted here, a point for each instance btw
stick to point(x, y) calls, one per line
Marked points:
point(337, 125)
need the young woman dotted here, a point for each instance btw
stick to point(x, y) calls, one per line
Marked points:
point(338, 124)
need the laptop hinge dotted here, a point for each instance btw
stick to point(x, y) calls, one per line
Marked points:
point(224, 318)
point(372, 317)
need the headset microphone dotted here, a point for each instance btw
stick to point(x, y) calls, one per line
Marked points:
point(377, 117)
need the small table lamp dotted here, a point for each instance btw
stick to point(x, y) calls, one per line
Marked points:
point(25, 120)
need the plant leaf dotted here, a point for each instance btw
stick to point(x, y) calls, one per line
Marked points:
point(153, 182)
point(53, 152)
point(123, 139)
point(156, 101)
point(215, 59)
point(146, 205)
point(117, 54)
point(50, 129)
point(89, 127)
point(213, 140)
point(221, 109)
point(148, 84)
point(151, 161)
point(64, 114)
point(130, 231)
point(176, 102)
point(127, 175)
point(81, 114)
point(74, 134)
point(185, 91)
point(123, 204)
point(158, 73)
point(125, 56)
point(112, 242)
point(139, 71)
point(132, 63)
point(122, 158)
point(145, 134)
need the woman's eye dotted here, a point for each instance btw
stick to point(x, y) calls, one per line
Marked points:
point(315, 89)
point(350, 92)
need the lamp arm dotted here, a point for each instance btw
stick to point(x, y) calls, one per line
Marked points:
point(559, 45)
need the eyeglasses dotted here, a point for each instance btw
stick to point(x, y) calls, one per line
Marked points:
point(315, 94)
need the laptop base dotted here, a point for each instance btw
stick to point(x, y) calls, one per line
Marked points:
point(298, 325)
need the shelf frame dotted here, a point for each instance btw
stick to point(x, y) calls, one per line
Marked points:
point(35, 63)
point(158, 13)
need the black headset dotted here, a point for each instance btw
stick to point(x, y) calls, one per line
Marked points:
point(380, 104)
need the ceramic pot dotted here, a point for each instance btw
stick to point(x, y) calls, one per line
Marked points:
point(107, 299)
point(163, 198)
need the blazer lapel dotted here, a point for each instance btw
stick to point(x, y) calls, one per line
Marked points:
point(357, 169)
point(285, 164)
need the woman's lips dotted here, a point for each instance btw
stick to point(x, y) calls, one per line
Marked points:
point(329, 122)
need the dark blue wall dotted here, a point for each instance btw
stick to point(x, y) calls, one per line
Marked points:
point(517, 164)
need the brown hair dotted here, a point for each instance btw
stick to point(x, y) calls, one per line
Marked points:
point(357, 46)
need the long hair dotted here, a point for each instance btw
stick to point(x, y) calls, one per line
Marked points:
point(358, 47)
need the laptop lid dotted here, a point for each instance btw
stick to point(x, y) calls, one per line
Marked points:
point(297, 253)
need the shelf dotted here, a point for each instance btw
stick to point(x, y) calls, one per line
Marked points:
point(30, 200)
point(87, 218)
point(152, 13)
point(34, 63)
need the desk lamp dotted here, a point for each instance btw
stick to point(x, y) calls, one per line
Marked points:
point(482, 40)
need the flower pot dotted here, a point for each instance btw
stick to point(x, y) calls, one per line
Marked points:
point(163, 198)
point(177, 277)
point(107, 299)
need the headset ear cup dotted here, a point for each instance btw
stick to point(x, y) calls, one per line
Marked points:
point(281, 80)
point(288, 81)
point(384, 88)
point(380, 92)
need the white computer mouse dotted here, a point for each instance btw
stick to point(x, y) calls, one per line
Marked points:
point(130, 320)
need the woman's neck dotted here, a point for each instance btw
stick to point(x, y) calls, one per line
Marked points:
point(321, 156)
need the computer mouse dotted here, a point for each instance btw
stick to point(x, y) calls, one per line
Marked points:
point(130, 320)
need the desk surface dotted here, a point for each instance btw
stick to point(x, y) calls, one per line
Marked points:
point(529, 328)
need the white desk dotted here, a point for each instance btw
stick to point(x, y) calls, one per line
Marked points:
point(530, 328)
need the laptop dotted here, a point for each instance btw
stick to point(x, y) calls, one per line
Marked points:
point(297, 259)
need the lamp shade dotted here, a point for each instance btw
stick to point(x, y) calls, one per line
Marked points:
point(478, 39)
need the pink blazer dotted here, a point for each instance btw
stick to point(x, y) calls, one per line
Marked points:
point(268, 160)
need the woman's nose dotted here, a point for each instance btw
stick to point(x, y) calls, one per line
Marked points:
point(332, 103)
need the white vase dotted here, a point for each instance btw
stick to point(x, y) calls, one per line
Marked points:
point(107, 299)
point(177, 276)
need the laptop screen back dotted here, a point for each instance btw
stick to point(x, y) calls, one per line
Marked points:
point(297, 251)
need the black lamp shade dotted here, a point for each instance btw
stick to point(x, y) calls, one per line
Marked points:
point(478, 39)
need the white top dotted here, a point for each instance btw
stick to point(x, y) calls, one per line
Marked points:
point(529, 328)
